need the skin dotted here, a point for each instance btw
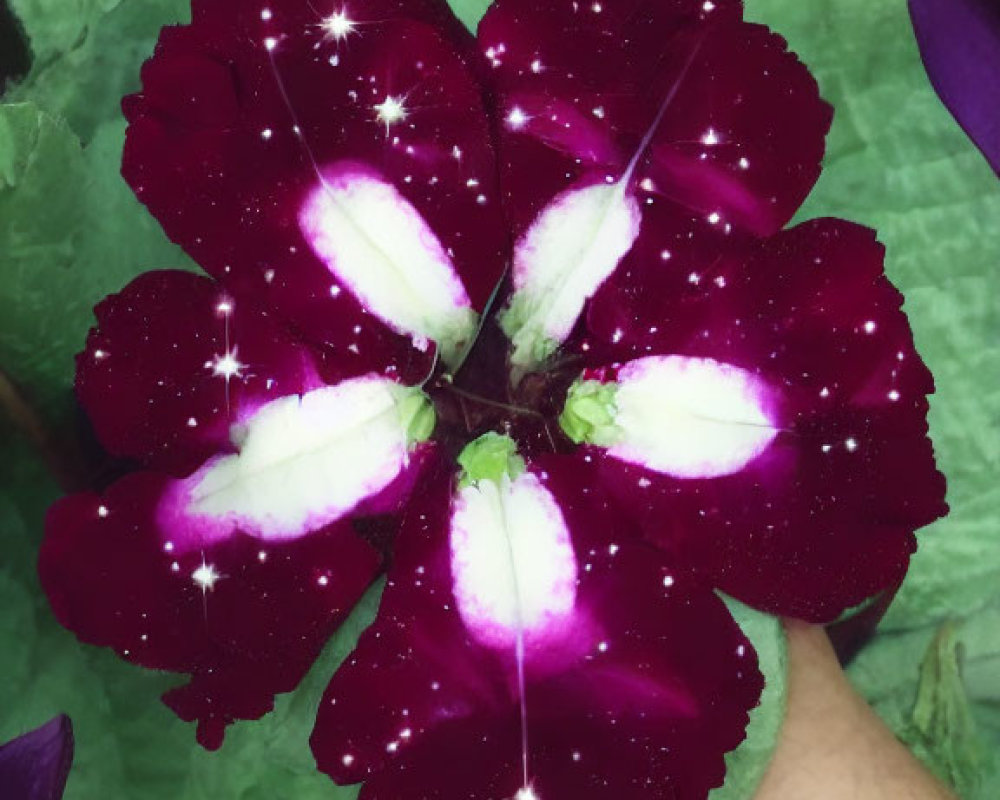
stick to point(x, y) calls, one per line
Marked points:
point(832, 745)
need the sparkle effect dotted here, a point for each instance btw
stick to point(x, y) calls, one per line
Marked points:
point(338, 26)
point(205, 576)
point(390, 111)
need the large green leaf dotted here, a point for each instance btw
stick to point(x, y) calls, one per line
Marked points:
point(71, 233)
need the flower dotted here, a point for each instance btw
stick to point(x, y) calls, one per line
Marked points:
point(35, 766)
point(557, 462)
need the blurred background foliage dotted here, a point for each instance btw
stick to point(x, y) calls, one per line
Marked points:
point(71, 232)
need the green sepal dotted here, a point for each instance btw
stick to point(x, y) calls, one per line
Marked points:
point(590, 413)
point(491, 457)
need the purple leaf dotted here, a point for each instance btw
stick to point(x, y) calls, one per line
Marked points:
point(35, 766)
point(960, 45)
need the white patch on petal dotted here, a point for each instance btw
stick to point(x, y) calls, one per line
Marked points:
point(377, 244)
point(304, 462)
point(570, 249)
point(512, 561)
point(690, 417)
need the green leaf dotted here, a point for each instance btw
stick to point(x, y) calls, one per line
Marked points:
point(72, 232)
point(87, 55)
point(745, 766)
point(941, 731)
point(469, 11)
point(926, 683)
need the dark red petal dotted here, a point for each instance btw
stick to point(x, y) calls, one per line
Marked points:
point(244, 617)
point(742, 128)
point(825, 517)
point(242, 111)
point(423, 709)
point(174, 360)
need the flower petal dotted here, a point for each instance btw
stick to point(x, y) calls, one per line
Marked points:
point(244, 617)
point(605, 700)
point(652, 113)
point(274, 146)
point(175, 359)
point(35, 766)
point(960, 45)
point(824, 515)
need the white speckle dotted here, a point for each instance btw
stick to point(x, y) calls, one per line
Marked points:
point(710, 137)
point(481, 199)
point(262, 556)
point(334, 60)
point(225, 307)
point(646, 184)
point(893, 395)
point(347, 760)
point(714, 217)
point(851, 444)
point(599, 112)
point(392, 747)
point(741, 650)
point(664, 255)
point(334, 290)
point(456, 152)
point(175, 567)
point(744, 163)
point(536, 66)
point(644, 483)
point(323, 580)
point(612, 549)
point(266, 134)
point(826, 448)
point(668, 580)
point(603, 647)
point(617, 335)
point(265, 14)
point(227, 366)
point(102, 511)
point(694, 278)
point(824, 392)
point(576, 755)
point(390, 111)
point(337, 26)
point(516, 118)
point(870, 326)
point(205, 576)
point(720, 281)
point(270, 43)
point(597, 8)
point(99, 354)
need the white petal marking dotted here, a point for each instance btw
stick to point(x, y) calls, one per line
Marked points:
point(570, 249)
point(690, 417)
point(303, 462)
point(512, 561)
point(378, 245)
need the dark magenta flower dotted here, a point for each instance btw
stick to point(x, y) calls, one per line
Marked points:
point(35, 766)
point(518, 320)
